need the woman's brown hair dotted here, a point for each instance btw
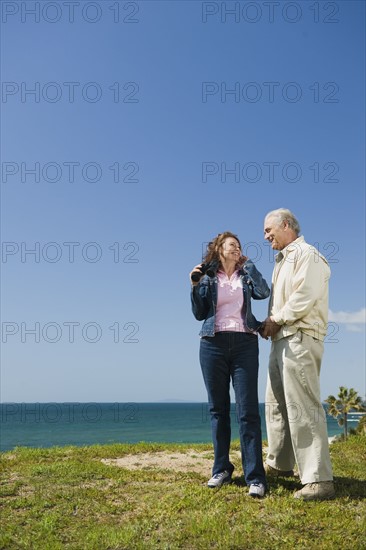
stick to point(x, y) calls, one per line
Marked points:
point(214, 247)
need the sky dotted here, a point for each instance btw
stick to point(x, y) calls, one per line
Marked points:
point(135, 132)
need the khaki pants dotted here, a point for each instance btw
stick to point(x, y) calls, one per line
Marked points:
point(295, 418)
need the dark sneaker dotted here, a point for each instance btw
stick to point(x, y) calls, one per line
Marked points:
point(323, 490)
point(257, 490)
point(219, 479)
point(273, 472)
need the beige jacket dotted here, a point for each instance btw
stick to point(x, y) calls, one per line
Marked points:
point(299, 296)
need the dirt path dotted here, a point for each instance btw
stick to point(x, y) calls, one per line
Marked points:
point(192, 460)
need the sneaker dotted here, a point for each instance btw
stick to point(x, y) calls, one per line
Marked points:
point(323, 490)
point(273, 472)
point(257, 490)
point(219, 479)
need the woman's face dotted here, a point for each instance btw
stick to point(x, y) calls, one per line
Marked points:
point(230, 250)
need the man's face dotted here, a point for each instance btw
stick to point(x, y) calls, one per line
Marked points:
point(275, 233)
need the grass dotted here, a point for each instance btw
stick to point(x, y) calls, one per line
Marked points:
point(67, 498)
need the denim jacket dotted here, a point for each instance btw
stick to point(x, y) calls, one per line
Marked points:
point(204, 298)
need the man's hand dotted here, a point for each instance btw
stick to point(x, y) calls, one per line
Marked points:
point(269, 328)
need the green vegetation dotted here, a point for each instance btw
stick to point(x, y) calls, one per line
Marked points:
point(68, 498)
point(347, 401)
point(361, 426)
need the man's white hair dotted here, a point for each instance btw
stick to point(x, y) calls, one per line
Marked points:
point(283, 214)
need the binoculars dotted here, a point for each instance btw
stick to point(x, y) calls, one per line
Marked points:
point(205, 269)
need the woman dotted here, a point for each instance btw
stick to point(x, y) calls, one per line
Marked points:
point(229, 350)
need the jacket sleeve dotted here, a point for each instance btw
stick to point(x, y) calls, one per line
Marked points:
point(260, 289)
point(200, 299)
point(308, 284)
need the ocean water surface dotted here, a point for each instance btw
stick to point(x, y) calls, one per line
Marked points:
point(59, 424)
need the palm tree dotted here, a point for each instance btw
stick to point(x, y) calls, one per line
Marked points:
point(347, 401)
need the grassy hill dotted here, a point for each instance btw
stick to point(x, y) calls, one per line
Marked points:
point(69, 498)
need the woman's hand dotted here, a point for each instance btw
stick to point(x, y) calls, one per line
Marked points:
point(196, 269)
point(242, 260)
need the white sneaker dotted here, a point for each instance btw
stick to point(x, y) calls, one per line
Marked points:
point(257, 490)
point(219, 479)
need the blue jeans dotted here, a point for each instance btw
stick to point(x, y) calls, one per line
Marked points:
point(225, 356)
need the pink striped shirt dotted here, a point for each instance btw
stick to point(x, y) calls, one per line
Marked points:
point(230, 302)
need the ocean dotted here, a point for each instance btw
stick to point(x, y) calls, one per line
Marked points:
point(59, 424)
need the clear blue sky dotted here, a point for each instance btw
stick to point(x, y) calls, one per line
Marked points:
point(145, 86)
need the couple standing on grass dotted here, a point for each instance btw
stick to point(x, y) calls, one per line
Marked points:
point(222, 288)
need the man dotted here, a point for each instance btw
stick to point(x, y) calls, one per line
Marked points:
point(297, 324)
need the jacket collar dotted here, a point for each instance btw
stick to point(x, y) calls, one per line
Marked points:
point(291, 247)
